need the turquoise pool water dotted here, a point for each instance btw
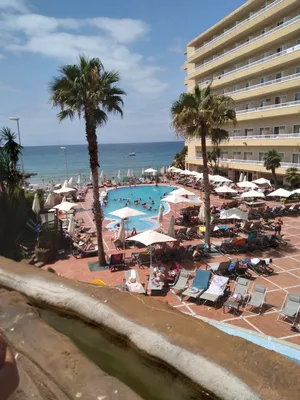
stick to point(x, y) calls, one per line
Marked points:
point(290, 351)
point(149, 194)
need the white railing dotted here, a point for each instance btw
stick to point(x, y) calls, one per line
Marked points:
point(271, 107)
point(270, 32)
point(249, 162)
point(260, 85)
point(253, 64)
point(250, 18)
point(251, 137)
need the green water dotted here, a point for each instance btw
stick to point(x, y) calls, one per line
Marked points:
point(146, 377)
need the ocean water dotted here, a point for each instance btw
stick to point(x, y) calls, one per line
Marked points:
point(50, 161)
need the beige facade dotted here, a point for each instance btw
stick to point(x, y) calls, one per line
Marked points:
point(253, 56)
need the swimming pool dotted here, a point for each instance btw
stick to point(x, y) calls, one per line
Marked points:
point(149, 194)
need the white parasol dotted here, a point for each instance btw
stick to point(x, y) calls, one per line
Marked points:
point(71, 226)
point(65, 206)
point(126, 212)
point(280, 193)
point(234, 213)
point(182, 192)
point(50, 201)
point(253, 193)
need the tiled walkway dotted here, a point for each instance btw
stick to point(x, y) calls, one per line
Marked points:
point(286, 278)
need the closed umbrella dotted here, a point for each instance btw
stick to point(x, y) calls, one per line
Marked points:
point(245, 178)
point(119, 175)
point(128, 173)
point(121, 235)
point(36, 208)
point(91, 177)
point(241, 177)
point(65, 184)
point(101, 176)
point(201, 215)
point(160, 217)
point(171, 229)
point(79, 180)
point(70, 183)
point(143, 171)
point(71, 226)
point(64, 199)
point(50, 201)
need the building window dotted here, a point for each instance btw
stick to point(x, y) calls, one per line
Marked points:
point(262, 80)
point(261, 156)
point(296, 129)
point(236, 155)
point(249, 132)
point(297, 70)
point(247, 84)
point(296, 158)
point(297, 41)
point(247, 155)
point(279, 130)
point(265, 131)
point(297, 96)
point(224, 154)
point(278, 75)
point(237, 132)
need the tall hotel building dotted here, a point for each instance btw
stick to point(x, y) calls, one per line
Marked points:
point(253, 56)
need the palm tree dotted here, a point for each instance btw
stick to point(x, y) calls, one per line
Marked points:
point(272, 160)
point(179, 158)
point(201, 113)
point(87, 90)
point(292, 175)
point(12, 149)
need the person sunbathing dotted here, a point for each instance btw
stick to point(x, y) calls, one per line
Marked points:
point(158, 277)
point(133, 285)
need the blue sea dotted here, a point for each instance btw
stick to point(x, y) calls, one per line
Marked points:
point(49, 162)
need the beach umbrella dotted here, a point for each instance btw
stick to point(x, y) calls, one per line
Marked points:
point(50, 201)
point(234, 213)
point(262, 181)
point(245, 178)
point(65, 206)
point(247, 184)
point(36, 208)
point(171, 228)
point(201, 215)
point(219, 178)
point(182, 192)
point(65, 184)
point(143, 171)
point(186, 172)
point(241, 177)
point(177, 170)
point(170, 169)
point(160, 216)
point(70, 183)
point(175, 199)
point(225, 189)
point(79, 180)
point(71, 226)
point(126, 212)
point(64, 190)
point(152, 237)
point(280, 193)
point(253, 193)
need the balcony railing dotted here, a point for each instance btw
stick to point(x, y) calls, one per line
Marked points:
point(261, 85)
point(270, 32)
point(255, 63)
point(271, 107)
point(251, 137)
point(250, 18)
point(249, 162)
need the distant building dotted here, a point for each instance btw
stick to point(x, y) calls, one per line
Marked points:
point(253, 56)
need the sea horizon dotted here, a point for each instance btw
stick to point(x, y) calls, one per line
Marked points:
point(100, 144)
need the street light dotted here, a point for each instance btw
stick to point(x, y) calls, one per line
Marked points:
point(66, 159)
point(19, 135)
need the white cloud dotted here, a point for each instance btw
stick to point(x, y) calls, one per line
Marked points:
point(15, 5)
point(177, 46)
point(64, 39)
point(122, 30)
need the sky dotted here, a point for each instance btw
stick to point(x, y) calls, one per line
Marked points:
point(142, 39)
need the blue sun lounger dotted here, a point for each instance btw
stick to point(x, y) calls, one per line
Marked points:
point(200, 283)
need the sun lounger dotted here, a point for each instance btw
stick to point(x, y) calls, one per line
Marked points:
point(218, 268)
point(182, 281)
point(134, 287)
point(216, 289)
point(153, 287)
point(143, 259)
point(241, 288)
point(84, 253)
point(258, 296)
point(200, 283)
point(116, 261)
point(290, 307)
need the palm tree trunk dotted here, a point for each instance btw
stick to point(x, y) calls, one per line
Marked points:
point(93, 154)
point(206, 187)
point(274, 178)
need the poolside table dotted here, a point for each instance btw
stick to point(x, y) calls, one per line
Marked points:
point(232, 305)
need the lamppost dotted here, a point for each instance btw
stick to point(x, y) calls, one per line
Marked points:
point(66, 159)
point(19, 135)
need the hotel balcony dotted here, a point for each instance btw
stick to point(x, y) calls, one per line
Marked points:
point(259, 43)
point(280, 140)
point(280, 59)
point(255, 21)
point(244, 165)
point(283, 84)
point(274, 110)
